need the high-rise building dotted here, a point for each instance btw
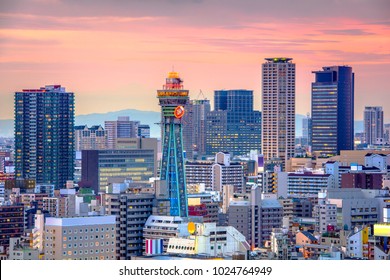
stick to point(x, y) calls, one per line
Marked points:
point(44, 135)
point(255, 215)
point(188, 131)
point(278, 103)
point(143, 131)
point(172, 99)
point(93, 138)
point(373, 125)
point(131, 211)
point(307, 129)
point(215, 175)
point(332, 110)
point(386, 133)
point(138, 164)
point(233, 126)
point(194, 128)
point(121, 128)
point(233, 100)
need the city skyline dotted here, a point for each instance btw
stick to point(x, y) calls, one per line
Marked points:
point(114, 53)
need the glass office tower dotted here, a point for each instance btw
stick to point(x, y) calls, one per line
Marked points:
point(332, 110)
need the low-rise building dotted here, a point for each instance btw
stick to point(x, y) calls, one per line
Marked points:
point(11, 223)
point(281, 245)
point(357, 243)
point(19, 250)
point(208, 239)
point(255, 215)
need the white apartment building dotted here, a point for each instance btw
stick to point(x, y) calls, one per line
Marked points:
point(215, 174)
point(303, 184)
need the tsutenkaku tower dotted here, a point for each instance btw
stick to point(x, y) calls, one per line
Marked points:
point(172, 99)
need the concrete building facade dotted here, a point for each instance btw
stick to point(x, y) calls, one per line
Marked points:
point(81, 238)
point(278, 103)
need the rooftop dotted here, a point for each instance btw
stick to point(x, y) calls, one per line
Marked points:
point(279, 59)
point(270, 203)
point(81, 221)
point(309, 235)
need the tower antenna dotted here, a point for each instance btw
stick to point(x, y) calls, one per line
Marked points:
point(201, 94)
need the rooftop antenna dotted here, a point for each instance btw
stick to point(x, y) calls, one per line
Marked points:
point(201, 94)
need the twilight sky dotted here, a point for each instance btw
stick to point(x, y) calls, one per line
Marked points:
point(115, 54)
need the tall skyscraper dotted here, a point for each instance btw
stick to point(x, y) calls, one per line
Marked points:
point(200, 110)
point(194, 128)
point(233, 126)
point(307, 129)
point(332, 110)
point(278, 103)
point(386, 133)
point(44, 135)
point(373, 125)
point(172, 99)
point(233, 100)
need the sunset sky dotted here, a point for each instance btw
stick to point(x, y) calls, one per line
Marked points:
point(115, 54)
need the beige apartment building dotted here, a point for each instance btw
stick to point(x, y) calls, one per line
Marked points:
point(278, 103)
point(80, 238)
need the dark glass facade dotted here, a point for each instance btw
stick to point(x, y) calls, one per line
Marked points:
point(99, 165)
point(44, 135)
point(332, 110)
point(307, 130)
point(237, 129)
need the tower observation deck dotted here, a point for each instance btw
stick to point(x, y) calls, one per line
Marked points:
point(172, 99)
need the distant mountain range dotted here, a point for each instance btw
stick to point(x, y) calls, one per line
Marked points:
point(145, 117)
